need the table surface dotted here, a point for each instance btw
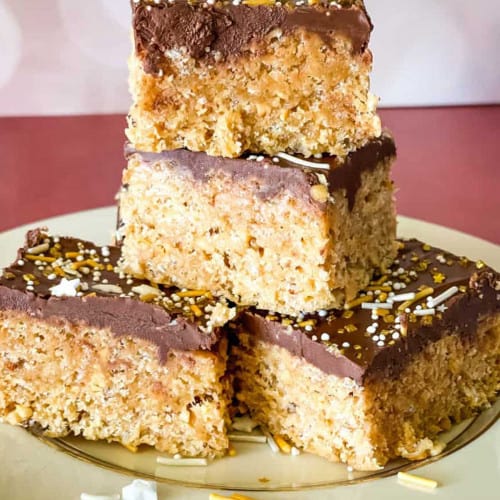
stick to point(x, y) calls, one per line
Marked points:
point(447, 171)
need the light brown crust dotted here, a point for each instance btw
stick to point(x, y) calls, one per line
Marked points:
point(282, 253)
point(290, 93)
point(68, 378)
point(366, 426)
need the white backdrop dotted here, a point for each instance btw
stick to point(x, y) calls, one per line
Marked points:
point(69, 56)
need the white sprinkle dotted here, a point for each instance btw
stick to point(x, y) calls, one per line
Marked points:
point(140, 490)
point(105, 252)
point(346, 344)
point(270, 441)
point(376, 305)
point(413, 480)
point(371, 329)
point(247, 438)
point(308, 328)
point(177, 456)
point(314, 338)
point(325, 336)
point(66, 288)
point(425, 312)
point(443, 296)
point(52, 276)
point(301, 161)
point(20, 262)
point(107, 288)
point(395, 335)
point(38, 249)
point(380, 343)
point(276, 160)
point(322, 313)
point(402, 297)
point(441, 308)
point(375, 338)
point(188, 462)
point(294, 451)
point(381, 336)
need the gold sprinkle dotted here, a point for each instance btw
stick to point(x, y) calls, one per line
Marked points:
point(309, 322)
point(110, 268)
point(389, 318)
point(438, 278)
point(419, 295)
point(373, 288)
point(192, 293)
point(72, 255)
point(463, 261)
point(480, 264)
point(351, 328)
point(462, 288)
point(347, 314)
point(59, 271)
point(359, 355)
point(282, 444)
point(28, 277)
point(130, 447)
point(196, 310)
point(8, 275)
point(380, 281)
point(382, 297)
point(381, 312)
point(357, 302)
point(340, 331)
point(41, 258)
point(426, 320)
point(286, 321)
point(412, 318)
point(357, 347)
point(426, 247)
point(422, 265)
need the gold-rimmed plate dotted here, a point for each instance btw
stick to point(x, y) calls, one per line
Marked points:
point(33, 466)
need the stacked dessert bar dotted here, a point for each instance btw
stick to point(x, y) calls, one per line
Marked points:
point(258, 265)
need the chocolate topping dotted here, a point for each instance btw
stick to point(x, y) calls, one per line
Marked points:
point(227, 30)
point(167, 317)
point(273, 175)
point(351, 343)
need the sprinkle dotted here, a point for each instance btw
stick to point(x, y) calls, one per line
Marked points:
point(380, 343)
point(145, 490)
point(20, 262)
point(433, 302)
point(246, 438)
point(105, 252)
point(107, 288)
point(283, 445)
point(294, 451)
point(188, 462)
point(420, 295)
point(270, 441)
point(325, 336)
point(196, 310)
point(39, 259)
point(38, 249)
point(402, 297)
point(412, 479)
point(376, 305)
point(425, 312)
point(300, 161)
point(66, 288)
point(356, 302)
point(307, 323)
point(480, 264)
point(192, 293)
point(371, 329)
point(346, 345)
point(395, 335)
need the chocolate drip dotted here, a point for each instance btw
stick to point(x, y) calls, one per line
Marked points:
point(274, 175)
point(344, 345)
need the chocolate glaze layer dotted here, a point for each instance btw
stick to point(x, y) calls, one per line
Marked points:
point(162, 322)
point(228, 30)
point(349, 350)
point(273, 175)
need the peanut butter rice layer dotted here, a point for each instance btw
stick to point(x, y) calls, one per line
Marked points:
point(281, 233)
point(415, 352)
point(88, 350)
point(227, 77)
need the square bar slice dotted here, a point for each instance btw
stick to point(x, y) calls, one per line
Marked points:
point(416, 352)
point(227, 77)
point(281, 233)
point(87, 351)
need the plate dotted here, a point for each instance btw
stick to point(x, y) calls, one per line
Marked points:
point(255, 467)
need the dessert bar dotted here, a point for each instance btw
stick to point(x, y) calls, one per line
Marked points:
point(227, 77)
point(417, 351)
point(85, 349)
point(282, 233)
